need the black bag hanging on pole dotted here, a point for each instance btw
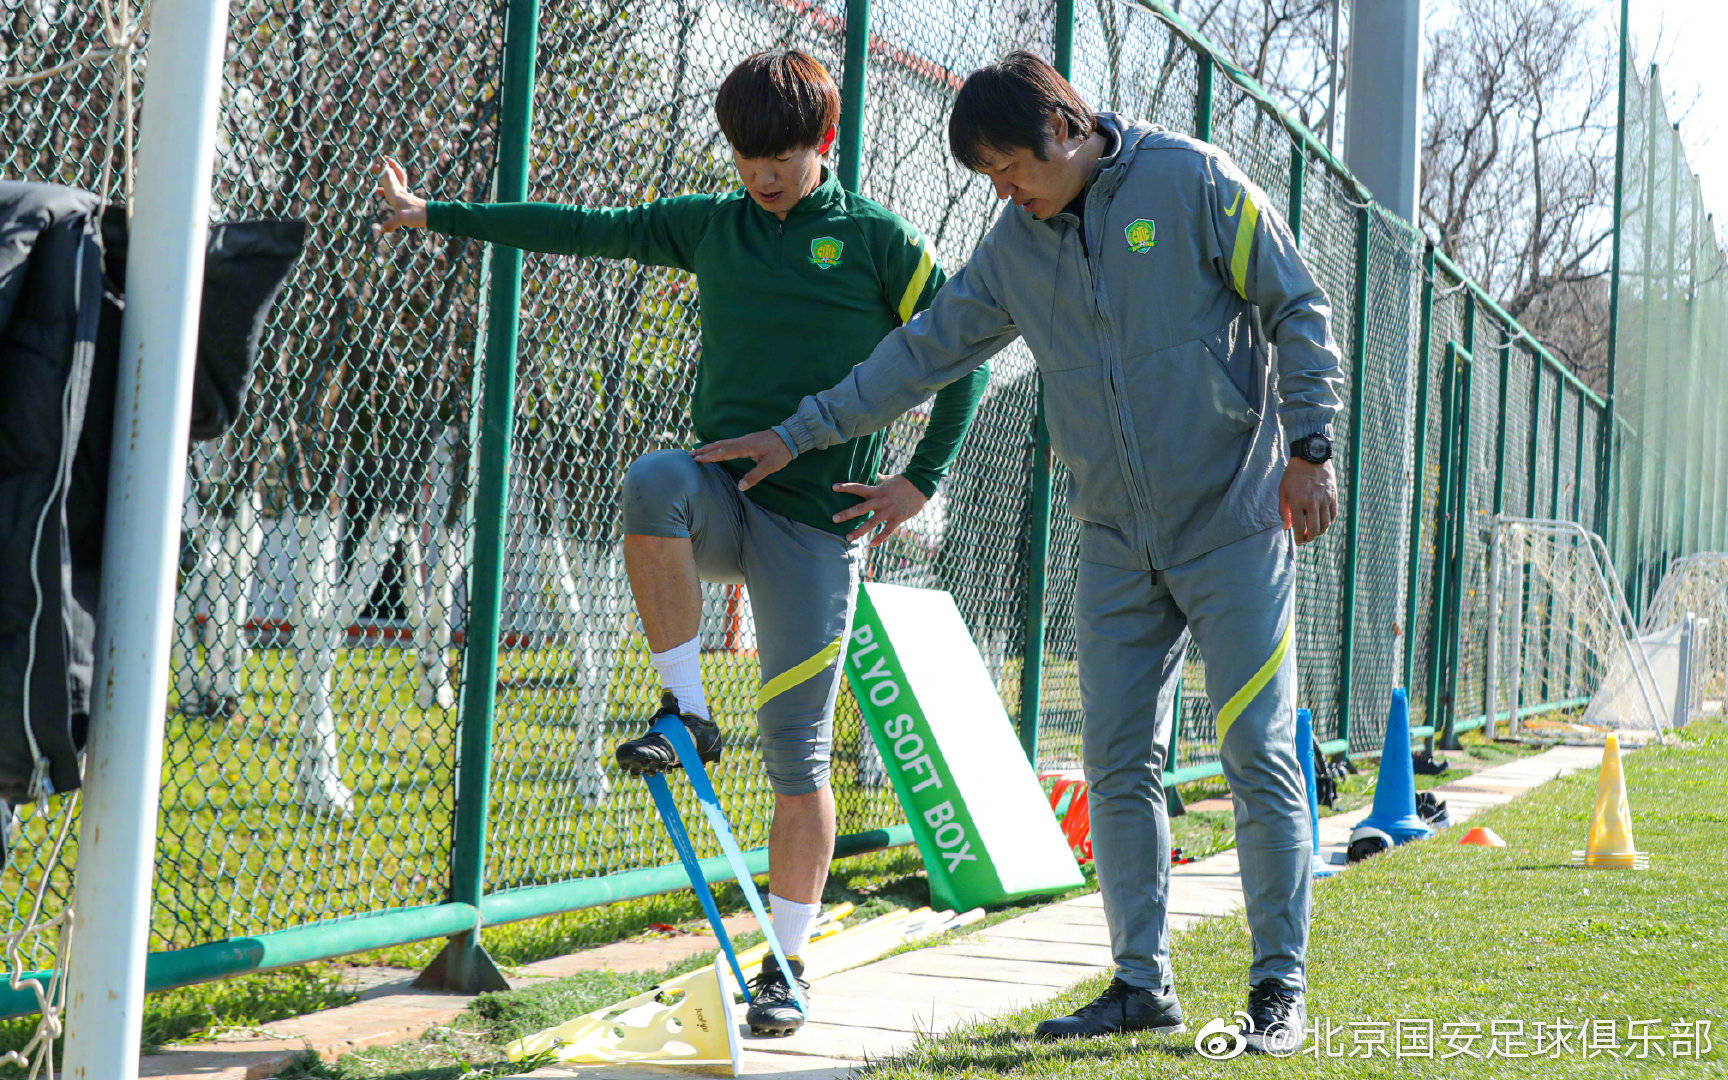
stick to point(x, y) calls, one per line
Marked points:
point(61, 299)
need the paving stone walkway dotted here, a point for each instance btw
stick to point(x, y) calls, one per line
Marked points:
point(873, 1011)
point(864, 1010)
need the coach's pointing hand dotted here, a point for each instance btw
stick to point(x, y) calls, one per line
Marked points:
point(886, 507)
point(766, 449)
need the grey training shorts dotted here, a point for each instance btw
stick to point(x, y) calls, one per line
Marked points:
point(802, 583)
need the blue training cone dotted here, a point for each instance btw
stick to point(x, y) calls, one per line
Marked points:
point(1305, 752)
point(1394, 819)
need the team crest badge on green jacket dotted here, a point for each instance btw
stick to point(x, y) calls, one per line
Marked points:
point(825, 252)
point(1142, 235)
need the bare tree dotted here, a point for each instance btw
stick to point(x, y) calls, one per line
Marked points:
point(1518, 164)
point(1283, 44)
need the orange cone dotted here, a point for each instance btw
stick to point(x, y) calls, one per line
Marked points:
point(1609, 846)
point(1482, 836)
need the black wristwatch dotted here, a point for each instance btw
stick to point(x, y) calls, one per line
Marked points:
point(1315, 449)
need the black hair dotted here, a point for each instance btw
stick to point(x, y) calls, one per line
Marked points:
point(777, 101)
point(1008, 105)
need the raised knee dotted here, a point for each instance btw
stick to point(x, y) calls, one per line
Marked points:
point(658, 488)
point(662, 474)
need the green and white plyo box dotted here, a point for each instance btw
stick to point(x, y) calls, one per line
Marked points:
point(975, 806)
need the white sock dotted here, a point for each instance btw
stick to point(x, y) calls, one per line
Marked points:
point(680, 670)
point(792, 923)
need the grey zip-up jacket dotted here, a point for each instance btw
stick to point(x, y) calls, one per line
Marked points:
point(1161, 392)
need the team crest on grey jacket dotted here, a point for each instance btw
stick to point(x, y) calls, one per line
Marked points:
point(1142, 235)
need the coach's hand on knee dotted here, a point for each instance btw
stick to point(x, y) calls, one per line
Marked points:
point(1308, 497)
point(768, 450)
point(886, 506)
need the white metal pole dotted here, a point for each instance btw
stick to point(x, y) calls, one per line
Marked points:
point(1513, 534)
point(146, 485)
point(1492, 677)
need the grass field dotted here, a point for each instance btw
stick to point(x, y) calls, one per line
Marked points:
point(1452, 935)
point(475, 1042)
point(238, 857)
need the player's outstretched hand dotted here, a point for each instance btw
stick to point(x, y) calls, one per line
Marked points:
point(768, 450)
point(889, 505)
point(406, 208)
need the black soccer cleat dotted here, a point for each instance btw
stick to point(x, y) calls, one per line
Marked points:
point(653, 753)
point(1277, 1018)
point(773, 1009)
point(1121, 1007)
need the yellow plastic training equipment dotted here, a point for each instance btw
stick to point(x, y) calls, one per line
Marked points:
point(1610, 846)
point(683, 1021)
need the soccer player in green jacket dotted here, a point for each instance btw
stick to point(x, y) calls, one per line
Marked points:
point(792, 267)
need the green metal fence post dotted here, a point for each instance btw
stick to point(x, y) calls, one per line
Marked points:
point(1506, 347)
point(1062, 38)
point(1413, 569)
point(852, 91)
point(1605, 493)
point(463, 964)
point(1649, 504)
point(1559, 429)
point(1669, 534)
point(1449, 511)
point(1448, 740)
point(1692, 488)
point(1439, 591)
point(1353, 508)
point(1206, 71)
point(1038, 546)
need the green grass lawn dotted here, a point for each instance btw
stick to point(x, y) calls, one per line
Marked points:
point(1453, 935)
point(237, 857)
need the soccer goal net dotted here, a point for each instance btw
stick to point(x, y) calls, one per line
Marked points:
point(1564, 655)
point(1697, 585)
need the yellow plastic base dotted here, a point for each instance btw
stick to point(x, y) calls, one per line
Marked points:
point(684, 1021)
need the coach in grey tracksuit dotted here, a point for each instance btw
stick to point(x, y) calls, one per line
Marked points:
point(1149, 303)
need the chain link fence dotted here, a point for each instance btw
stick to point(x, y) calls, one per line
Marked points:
point(1670, 482)
point(318, 694)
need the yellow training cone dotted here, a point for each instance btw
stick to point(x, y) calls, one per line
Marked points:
point(1610, 844)
point(684, 1021)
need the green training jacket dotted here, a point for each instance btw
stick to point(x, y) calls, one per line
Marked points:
point(788, 308)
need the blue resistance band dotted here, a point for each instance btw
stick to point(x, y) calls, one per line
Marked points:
point(679, 736)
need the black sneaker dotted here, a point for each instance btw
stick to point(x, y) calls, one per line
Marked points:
point(1277, 1018)
point(653, 752)
point(773, 1009)
point(1120, 1007)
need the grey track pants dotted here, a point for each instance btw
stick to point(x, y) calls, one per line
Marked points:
point(802, 581)
point(1134, 625)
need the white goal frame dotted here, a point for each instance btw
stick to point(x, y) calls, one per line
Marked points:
point(1599, 577)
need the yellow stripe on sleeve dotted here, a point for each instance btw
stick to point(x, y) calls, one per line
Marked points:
point(1245, 226)
point(915, 287)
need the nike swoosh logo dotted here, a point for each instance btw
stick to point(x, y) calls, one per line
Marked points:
point(1235, 206)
